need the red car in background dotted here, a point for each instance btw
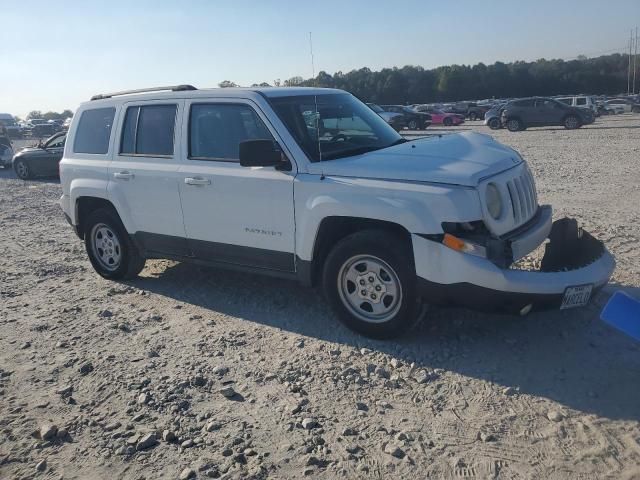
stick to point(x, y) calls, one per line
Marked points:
point(438, 117)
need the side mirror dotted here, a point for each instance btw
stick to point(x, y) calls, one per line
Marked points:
point(261, 153)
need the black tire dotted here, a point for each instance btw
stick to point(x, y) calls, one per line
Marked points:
point(447, 122)
point(495, 124)
point(571, 122)
point(23, 169)
point(394, 254)
point(515, 125)
point(413, 125)
point(473, 116)
point(130, 262)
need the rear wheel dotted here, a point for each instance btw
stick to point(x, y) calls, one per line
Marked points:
point(571, 122)
point(447, 122)
point(23, 169)
point(109, 246)
point(473, 116)
point(370, 282)
point(514, 125)
point(413, 125)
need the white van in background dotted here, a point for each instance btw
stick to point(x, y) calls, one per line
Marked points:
point(582, 101)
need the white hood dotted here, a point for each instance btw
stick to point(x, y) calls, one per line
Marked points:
point(459, 159)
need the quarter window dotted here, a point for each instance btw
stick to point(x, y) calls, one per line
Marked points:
point(149, 130)
point(216, 130)
point(94, 131)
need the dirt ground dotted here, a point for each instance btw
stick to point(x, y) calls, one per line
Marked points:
point(189, 372)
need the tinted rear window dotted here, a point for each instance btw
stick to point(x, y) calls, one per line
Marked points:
point(94, 131)
point(149, 130)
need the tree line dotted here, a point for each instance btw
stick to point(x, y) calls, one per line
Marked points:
point(50, 115)
point(606, 74)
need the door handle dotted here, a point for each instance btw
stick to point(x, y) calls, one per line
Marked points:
point(123, 175)
point(197, 181)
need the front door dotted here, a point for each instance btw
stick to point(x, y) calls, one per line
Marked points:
point(54, 149)
point(144, 178)
point(234, 214)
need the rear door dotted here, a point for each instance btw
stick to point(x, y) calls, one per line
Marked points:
point(144, 178)
point(234, 214)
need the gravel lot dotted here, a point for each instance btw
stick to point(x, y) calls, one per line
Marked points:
point(189, 372)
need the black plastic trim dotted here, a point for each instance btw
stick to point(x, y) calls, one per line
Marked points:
point(154, 245)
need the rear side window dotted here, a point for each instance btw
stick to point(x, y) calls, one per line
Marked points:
point(216, 130)
point(523, 103)
point(582, 101)
point(94, 131)
point(149, 130)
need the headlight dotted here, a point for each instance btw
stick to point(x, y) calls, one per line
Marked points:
point(494, 201)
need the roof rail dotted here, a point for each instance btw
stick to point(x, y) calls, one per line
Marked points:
point(172, 88)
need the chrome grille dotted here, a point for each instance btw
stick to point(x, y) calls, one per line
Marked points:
point(524, 199)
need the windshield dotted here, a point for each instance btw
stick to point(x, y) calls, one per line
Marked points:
point(334, 125)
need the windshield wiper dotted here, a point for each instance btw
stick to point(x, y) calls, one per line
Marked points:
point(350, 153)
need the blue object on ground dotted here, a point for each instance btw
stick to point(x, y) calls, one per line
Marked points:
point(623, 312)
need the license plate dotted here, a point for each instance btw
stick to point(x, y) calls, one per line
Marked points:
point(576, 296)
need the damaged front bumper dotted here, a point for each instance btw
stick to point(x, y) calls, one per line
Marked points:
point(575, 266)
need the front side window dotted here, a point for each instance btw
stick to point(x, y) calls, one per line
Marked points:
point(581, 101)
point(216, 130)
point(94, 131)
point(149, 130)
point(331, 126)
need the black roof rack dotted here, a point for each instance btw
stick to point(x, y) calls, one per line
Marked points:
point(172, 88)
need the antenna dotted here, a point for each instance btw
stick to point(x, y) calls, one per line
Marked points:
point(313, 68)
point(629, 68)
point(635, 56)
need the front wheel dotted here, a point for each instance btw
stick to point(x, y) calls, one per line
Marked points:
point(109, 246)
point(571, 122)
point(370, 282)
point(473, 116)
point(447, 122)
point(413, 125)
point(23, 169)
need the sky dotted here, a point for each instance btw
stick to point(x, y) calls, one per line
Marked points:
point(55, 55)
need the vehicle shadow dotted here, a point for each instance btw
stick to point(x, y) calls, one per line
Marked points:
point(568, 356)
point(8, 173)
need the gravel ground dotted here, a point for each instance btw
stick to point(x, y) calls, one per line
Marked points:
point(189, 372)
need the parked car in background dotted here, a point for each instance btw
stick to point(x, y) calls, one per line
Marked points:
point(477, 112)
point(6, 148)
point(396, 120)
point(439, 117)
point(414, 120)
point(541, 111)
point(624, 105)
point(12, 126)
point(42, 128)
point(41, 159)
point(66, 124)
point(581, 101)
point(493, 117)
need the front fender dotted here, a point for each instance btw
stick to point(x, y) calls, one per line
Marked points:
point(417, 207)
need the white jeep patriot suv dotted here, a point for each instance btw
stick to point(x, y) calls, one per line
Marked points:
point(311, 184)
